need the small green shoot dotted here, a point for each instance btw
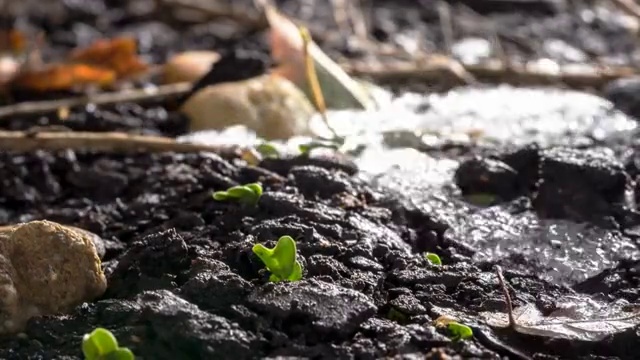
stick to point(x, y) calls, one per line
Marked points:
point(281, 260)
point(433, 258)
point(456, 330)
point(459, 331)
point(335, 144)
point(248, 194)
point(396, 315)
point(268, 150)
point(100, 344)
point(481, 199)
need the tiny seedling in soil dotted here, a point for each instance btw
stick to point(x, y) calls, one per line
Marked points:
point(433, 258)
point(481, 199)
point(281, 260)
point(396, 315)
point(456, 330)
point(100, 344)
point(268, 150)
point(334, 144)
point(459, 331)
point(248, 194)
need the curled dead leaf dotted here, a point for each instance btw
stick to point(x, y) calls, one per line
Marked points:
point(565, 324)
point(340, 91)
point(118, 54)
point(12, 41)
point(61, 77)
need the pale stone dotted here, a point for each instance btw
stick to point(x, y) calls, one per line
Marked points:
point(45, 268)
point(188, 66)
point(270, 105)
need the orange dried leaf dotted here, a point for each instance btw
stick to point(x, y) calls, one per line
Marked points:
point(12, 41)
point(60, 77)
point(118, 54)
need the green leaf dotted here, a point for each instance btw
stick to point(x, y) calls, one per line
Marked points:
point(481, 199)
point(281, 260)
point(296, 275)
point(247, 194)
point(220, 195)
point(240, 192)
point(285, 255)
point(256, 188)
point(304, 148)
point(326, 144)
point(433, 258)
point(90, 349)
point(120, 354)
point(459, 331)
point(99, 343)
point(268, 150)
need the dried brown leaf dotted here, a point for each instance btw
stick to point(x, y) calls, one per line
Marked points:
point(61, 77)
point(118, 54)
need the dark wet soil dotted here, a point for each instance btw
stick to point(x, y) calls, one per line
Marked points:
point(183, 282)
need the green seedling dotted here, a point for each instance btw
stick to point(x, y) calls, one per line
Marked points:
point(248, 194)
point(334, 144)
point(481, 199)
point(396, 315)
point(268, 150)
point(433, 258)
point(100, 344)
point(459, 331)
point(281, 260)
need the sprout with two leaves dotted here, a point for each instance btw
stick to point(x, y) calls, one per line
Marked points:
point(248, 194)
point(281, 260)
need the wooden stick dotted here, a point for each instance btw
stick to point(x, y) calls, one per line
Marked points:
point(436, 70)
point(446, 25)
point(629, 7)
point(116, 142)
point(41, 107)
point(215, 10)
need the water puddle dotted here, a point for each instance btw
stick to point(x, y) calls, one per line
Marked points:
point(570, 252)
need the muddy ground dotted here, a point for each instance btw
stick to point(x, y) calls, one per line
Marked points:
point(184, 284)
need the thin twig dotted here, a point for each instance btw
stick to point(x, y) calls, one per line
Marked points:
point(507, 297)
point(358, 23)
point(312, 79)
point(117, 142)
point(446, 25)
point(491, 72)
point(340, 16)
point(254, 21)
point(41, 107)
point(520, 41)
point(629, 7)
